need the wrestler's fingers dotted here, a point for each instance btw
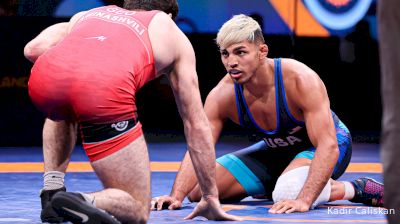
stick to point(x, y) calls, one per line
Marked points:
point(160, 204)
point(219, 216)
point(153, 203)
point(293, 209)
point(276, 207)
point(163, 202)
point(175, 205)
point(229, 217)
point(284, 208)
point(190, 216)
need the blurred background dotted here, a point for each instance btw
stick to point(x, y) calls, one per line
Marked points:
point(336, 38)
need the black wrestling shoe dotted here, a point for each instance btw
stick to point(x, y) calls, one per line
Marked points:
point(74, 208)
point(48, 214)
point(368, 191)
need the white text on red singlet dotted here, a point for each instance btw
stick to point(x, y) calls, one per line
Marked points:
point(117, 15)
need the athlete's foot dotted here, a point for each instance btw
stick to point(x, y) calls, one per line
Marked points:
point(48, 214)
point(368, 191)
point(74, 208)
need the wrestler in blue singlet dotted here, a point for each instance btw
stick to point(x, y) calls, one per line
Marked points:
point(258, 167)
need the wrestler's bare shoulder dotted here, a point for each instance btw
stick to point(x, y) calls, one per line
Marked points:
point(225, 85)
point(292, 68)
point(297, 74)
point(224, 91)
point(300, 80)
point(167, 41)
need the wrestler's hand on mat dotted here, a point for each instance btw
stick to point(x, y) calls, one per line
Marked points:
point(289, 206)
point(165, 202)
point(211, 209)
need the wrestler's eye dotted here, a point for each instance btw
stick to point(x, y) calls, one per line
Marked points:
point(240, 53)
point(224, 53)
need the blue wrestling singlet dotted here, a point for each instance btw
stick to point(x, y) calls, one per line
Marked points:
point(258, 167)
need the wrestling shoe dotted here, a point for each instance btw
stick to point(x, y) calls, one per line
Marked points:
point(74, 208)
point(368, 191)
point(48, 214)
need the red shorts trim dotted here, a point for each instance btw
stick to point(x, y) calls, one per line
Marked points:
point(99, 150)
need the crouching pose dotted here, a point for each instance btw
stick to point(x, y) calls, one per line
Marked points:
point(303, 146)
point(87, 72)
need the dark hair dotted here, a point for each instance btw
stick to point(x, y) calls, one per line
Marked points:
point(167, 6)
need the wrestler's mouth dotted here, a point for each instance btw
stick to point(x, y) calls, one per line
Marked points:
point(234, 73)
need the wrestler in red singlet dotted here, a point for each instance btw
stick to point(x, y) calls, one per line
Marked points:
point(93, 74)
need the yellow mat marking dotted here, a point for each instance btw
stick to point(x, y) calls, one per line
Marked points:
point(16, 167)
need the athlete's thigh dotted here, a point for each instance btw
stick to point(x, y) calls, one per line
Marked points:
point(228, 187)
point(128, 169)
point(296, 163)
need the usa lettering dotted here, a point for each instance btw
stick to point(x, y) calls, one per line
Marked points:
point(279, 142)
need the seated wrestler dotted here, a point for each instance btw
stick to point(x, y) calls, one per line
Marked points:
point(303, 146)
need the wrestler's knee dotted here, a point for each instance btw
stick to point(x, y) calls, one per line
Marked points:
point(137, 218)
point(143, 202)
point(141, 216)
point(289, 185)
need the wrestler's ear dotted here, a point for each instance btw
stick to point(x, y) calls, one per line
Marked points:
point(263, 51)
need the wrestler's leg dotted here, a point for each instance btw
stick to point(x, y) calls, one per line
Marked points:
point(58, 142)
point(291, 182)
point(344, 190)
point(337, 187)
point(241, 173)
point(229, 189)
point(125, 175)
point(59, 139)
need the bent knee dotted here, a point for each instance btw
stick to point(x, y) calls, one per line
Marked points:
point(144, 217)
point(194, 195)
point(140, 217)
point(289, 185)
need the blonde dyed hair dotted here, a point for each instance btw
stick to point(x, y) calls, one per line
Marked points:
point(239, 28)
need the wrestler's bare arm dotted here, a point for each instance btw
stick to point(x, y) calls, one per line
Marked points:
point(216, 111)
point(45, 40)
point(197, 129)
point(312, 99)
point(219, 107)
point(174, 55)
point(48, 38)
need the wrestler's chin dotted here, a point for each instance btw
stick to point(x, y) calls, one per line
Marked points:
point(240, 79)
point(237, 78)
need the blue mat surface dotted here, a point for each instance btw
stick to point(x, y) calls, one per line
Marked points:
point(20, 202)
